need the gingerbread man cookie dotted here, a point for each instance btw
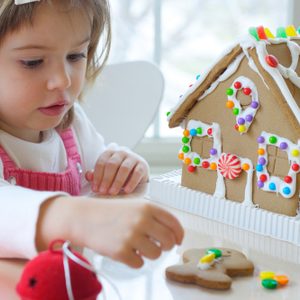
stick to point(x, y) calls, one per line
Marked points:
point(211, 268)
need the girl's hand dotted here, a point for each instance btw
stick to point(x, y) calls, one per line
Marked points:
point(117, 170)
point(126, 231)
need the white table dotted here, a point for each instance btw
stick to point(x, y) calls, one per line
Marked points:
point(150, 283)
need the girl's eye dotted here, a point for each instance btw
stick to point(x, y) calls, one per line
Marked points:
point(76, 57)
point(31, 64)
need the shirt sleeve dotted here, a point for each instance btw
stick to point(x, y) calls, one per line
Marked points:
point(18, 218)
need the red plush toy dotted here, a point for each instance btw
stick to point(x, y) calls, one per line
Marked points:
point(59, 274)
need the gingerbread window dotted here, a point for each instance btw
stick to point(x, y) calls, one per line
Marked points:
point(271, 165)
point(201, 145)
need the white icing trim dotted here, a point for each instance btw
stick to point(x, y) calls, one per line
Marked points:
point(278, 184)
point(187, 153)
point(278, 74)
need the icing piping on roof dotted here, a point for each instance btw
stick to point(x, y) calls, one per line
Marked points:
point(278, 74)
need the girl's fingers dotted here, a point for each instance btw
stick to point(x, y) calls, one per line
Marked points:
point(125, 169)
point(169, 221)
point(147, 247)
point(131, 258)
point(139, 175)
point(111, 168)
point(163, 235)
point(99, 170)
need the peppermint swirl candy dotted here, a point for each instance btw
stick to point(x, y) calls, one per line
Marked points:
point(229, 166)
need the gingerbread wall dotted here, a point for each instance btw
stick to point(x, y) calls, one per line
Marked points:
point(270, 117)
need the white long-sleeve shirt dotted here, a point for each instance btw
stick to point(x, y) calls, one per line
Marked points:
point(19, 207)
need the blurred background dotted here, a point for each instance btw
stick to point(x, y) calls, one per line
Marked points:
point(184, 38)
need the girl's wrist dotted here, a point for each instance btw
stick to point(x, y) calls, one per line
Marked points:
point(55, 220)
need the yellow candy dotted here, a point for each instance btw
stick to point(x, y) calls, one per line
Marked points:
point(291, 30)
point(269, 34)
point(266, 275)
point(242, 128)
point(208, 258)
point(295, 152)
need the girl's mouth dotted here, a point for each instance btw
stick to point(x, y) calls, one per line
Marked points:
point(53, 110)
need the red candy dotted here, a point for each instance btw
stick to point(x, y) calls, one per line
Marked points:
point(237, 85)
point(263, 178)
point(209, 131)
point(261, 33)
point(295, 167)
point(288, 179)
point(272, 61)
point(247, 91)
point(191, 169)
point(205, 164)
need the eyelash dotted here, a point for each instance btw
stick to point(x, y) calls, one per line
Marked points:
point(32, 64)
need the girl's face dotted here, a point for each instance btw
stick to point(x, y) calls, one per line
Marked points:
point(42, 70)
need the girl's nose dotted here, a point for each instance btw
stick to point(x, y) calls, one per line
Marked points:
point(59, 78)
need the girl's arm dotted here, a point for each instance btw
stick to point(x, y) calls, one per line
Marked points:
point(125, 231)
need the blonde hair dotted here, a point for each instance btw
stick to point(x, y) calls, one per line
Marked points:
point(12, 17)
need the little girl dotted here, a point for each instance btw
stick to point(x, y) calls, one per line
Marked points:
point(50, 154)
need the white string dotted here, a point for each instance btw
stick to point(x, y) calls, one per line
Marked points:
point(68, 254)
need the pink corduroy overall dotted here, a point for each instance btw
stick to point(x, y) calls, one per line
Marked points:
point(68, 181)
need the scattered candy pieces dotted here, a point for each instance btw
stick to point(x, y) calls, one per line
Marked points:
point(269, 284)
point(271, 281)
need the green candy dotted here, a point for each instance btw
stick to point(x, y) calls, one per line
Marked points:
point(253, 32)
point(270, 284)
point(185, 149)
point(216, 252)
point(273, 139)
point(168, 113)
point(197, 161)
point(199, 130)
point(229, 92)
point(236, 111)
point(185, 140)
point(280, 33)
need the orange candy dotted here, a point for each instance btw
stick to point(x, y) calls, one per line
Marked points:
point(181, 156)
point(213, 166)
point(261, 151)
point(187, 161)
point(229, 104)
point(281, 279)
point(186, 132)
point(245, 167)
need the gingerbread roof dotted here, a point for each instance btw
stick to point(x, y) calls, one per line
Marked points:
point(277, 70)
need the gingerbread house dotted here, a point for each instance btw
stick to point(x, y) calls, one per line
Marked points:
point(241, 138)
point(241, 133)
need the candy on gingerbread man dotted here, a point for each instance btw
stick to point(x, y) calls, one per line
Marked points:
point(211, 268)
